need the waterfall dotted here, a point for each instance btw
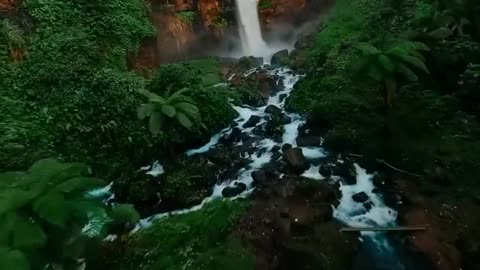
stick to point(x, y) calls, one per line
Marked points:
point(249, 28)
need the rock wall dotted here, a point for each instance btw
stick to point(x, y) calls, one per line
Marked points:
point(193, 28)
point(9, 5)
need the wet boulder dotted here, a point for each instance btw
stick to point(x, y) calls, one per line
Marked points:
point(252, 121)
point(296, 160)
point(308, 141)
point(325, 171)
point(249, 62)
point(272, 109)
point(266, 84)
point(232, 191)
point(259, 177)
point(360, 197)
point(232, 137)
point(280, 58)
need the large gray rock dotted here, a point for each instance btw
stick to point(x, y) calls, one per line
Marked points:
point(252, 121)
point(233, 191)
point(280, 58)
point(295, 159)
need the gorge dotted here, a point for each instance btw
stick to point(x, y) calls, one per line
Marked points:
point(239, 134)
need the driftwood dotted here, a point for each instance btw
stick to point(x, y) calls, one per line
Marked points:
point(397, 169)
point(386, 229)
point(388, 165)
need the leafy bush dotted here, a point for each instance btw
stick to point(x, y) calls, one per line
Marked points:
point(44, 214)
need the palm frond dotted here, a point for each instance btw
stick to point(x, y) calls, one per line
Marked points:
point(367, 49)
point(184, 120)
point(156, 122)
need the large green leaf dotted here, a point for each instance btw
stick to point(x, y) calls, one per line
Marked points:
point(155, 122)
point(184, 120)
point(416, 62)
point(13, 260)
point(81, 184)
point(385, 63)
point(69, 171)
point(177, 99)
point(7, 222)
point(189, 109)
point(367, 49)
point(406, 72)
point(13, 199)
point(27, 234)
point(145, 110)
point(51, 208)
point(125, 213)
point(169, 110)
point(46, 168)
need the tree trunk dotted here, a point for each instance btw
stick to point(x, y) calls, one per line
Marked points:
point(388, 91)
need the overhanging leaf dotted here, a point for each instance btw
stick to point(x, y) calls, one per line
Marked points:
point(79, 184)
point(145, 110)
point(125, 213)
point(13, 199)
point(51, 208)
point(27, 234)
point(189, 109)
point(184, 120)
point(386, 63)
point(367, 49)
point(44, 169)
point(155, 122)
point(13, 259)
point(416, 62)
point(169, 110)
point(406, 72)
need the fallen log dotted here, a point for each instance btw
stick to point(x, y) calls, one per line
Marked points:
point(385, 229)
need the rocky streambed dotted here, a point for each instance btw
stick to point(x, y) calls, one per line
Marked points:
point(302, 195)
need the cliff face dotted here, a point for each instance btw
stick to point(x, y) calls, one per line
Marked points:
point(190, 28)
point(9, 5)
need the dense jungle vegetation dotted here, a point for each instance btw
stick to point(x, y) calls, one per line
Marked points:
point(395, 80)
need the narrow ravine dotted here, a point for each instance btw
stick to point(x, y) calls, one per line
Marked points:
point(359, 206)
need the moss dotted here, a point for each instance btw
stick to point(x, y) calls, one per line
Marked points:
point(198, 240)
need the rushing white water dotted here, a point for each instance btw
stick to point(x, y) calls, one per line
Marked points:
point(348, 211)
point(249, 28)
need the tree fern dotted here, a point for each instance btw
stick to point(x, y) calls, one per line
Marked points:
point(384, 66)
point(177, 106)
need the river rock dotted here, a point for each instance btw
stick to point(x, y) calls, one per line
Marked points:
point(308, 141)
point(233, 191)
point(360, 197)
point(280, 58)
point(232, 137)
point(259, 177)
point(252, 121)
point(249, 62)
point(272, 109)
point(266, 84)
point(296, 160)
point(325, 171)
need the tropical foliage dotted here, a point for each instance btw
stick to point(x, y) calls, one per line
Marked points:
point(49, 212)
point(384, 65)
point(176, 106)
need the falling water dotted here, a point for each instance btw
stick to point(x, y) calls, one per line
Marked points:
point(249, 28)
